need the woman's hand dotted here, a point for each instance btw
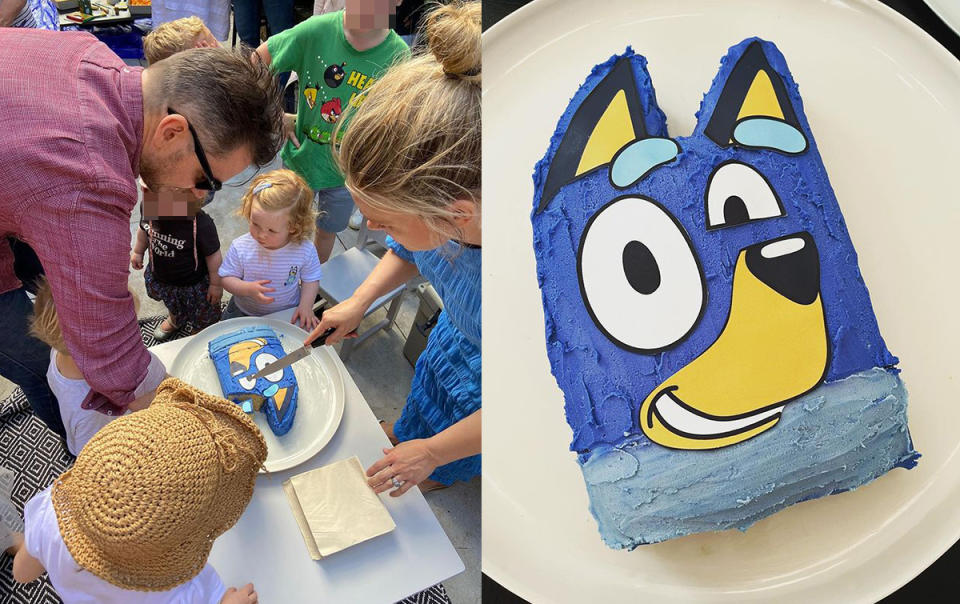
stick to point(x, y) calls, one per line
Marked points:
point(345, 316)
point(304, 317)
point(290, 128)
point(410, 462)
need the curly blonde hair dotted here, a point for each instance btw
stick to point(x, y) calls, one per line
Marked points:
point(413, 145)
point(171, 37)
point(45, 324)
point(283, 190)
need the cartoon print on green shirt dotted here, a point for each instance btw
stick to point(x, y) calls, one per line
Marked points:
point(330, 111)
point(334, 75)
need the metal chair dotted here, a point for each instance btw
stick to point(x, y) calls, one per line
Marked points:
point(343, 274)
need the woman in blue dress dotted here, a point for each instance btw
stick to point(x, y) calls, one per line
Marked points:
point(412, 163)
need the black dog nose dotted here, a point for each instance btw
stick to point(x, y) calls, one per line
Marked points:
point(789, 265)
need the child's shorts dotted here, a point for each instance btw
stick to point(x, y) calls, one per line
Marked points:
point(335, 206)
point(186, 303)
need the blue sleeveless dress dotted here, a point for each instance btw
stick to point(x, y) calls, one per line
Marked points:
point(446, 381)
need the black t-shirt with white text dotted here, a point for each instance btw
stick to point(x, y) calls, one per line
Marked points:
point(171, 252)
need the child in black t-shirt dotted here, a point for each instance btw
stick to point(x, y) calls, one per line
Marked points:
point(182, 272)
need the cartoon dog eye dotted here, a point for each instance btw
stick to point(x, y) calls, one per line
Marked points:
point(639, 277)
point(247, 383)
point(265, 359)
point(737, 194)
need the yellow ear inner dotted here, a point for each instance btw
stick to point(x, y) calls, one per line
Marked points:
point(761, 100)
point(613, 130)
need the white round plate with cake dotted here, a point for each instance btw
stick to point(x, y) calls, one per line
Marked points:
point(319, 400)
point(882, 101)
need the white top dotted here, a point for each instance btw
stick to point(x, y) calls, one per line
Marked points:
point(80, 424)
point(78, 586)
point(285, 268)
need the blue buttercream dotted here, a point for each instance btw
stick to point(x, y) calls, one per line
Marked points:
point(639, 157)
point(769, 134)
point(604, 385)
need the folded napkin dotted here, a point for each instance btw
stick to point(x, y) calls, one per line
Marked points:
point(336, 508)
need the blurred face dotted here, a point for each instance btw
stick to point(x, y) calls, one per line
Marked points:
point(369, 14)
point(169, 162)
point(271, 229)
point(408, 230)
point(165, 205)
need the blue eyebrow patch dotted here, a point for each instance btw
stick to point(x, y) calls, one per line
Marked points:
point(637, 159)
point(769, 133)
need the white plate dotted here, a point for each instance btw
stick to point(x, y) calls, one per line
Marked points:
point(320, 402)
point(883, 100)
point(948, 11)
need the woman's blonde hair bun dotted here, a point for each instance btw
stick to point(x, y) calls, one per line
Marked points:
point(453, 37)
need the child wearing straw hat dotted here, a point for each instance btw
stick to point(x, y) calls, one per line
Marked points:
point(136, 516)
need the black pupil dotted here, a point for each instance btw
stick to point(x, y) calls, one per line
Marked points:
point(641, 268)
point(735, 211)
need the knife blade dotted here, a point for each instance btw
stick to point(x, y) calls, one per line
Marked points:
point(293, 357)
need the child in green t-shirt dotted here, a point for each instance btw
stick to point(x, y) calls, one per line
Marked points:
point(336, 57)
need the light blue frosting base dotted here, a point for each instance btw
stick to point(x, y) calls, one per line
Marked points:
point(834, 439)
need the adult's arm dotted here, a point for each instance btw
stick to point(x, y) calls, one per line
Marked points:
point(391, 272)
point(9, 9)
point(83, 242)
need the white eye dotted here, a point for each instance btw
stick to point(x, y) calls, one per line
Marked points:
point(639, 277)
point(247, 383)
point(265, 359)
point(737, 194)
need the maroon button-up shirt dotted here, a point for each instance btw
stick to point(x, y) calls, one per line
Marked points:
point(71, 123)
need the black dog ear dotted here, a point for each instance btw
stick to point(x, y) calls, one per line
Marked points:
point(752, 89)
point(608, 118)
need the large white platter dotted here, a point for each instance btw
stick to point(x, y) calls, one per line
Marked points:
point(883, 100)
point(320, 403)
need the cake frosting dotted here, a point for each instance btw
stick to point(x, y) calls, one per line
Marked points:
point(705, 315)
point(240, 354)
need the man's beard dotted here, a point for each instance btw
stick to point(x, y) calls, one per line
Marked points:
point(154, 171)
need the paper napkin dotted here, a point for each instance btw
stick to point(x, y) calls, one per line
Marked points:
point(336, 508)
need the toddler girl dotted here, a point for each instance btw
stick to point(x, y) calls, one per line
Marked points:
point(184, 258)
point(136, 516)
point(275, 266)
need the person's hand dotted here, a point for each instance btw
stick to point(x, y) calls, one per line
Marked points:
point(345, 316)
point(290, 128)
point(258, 290)
point(214, 294)
point(244, 595)
point(410, 462)
point(136, 260)
point(304, 317)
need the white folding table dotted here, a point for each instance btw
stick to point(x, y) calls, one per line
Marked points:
point(266, 547)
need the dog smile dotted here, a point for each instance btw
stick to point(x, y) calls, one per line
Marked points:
point(680, 418)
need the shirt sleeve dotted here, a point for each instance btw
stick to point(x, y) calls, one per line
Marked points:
point(287, 47)
point(88, 271)
point(231, 265)
point(399, 250)
point(208, 240)
point(36, 524)
point(311, 264)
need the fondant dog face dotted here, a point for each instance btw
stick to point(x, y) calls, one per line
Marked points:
point(693, 286)
point(247, 358)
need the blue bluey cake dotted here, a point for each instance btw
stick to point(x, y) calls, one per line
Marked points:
point(705, 315)
point(240, 354)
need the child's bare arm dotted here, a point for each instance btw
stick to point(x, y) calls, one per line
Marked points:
point(234, 285)
point(244, 595)
point(136, 256)
point(26, 568)
point(215, 291)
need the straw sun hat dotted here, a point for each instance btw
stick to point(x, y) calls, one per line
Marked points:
point(151, 490)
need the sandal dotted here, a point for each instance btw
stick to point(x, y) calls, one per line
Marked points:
point(160, 334)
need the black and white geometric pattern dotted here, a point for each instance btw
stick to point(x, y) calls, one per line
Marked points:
point(37, 456)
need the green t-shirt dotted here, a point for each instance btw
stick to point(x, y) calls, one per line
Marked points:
point(331, 74)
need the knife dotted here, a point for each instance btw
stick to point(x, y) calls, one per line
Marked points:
point(293, 357)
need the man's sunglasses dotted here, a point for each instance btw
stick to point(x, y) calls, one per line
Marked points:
point(209, 183)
